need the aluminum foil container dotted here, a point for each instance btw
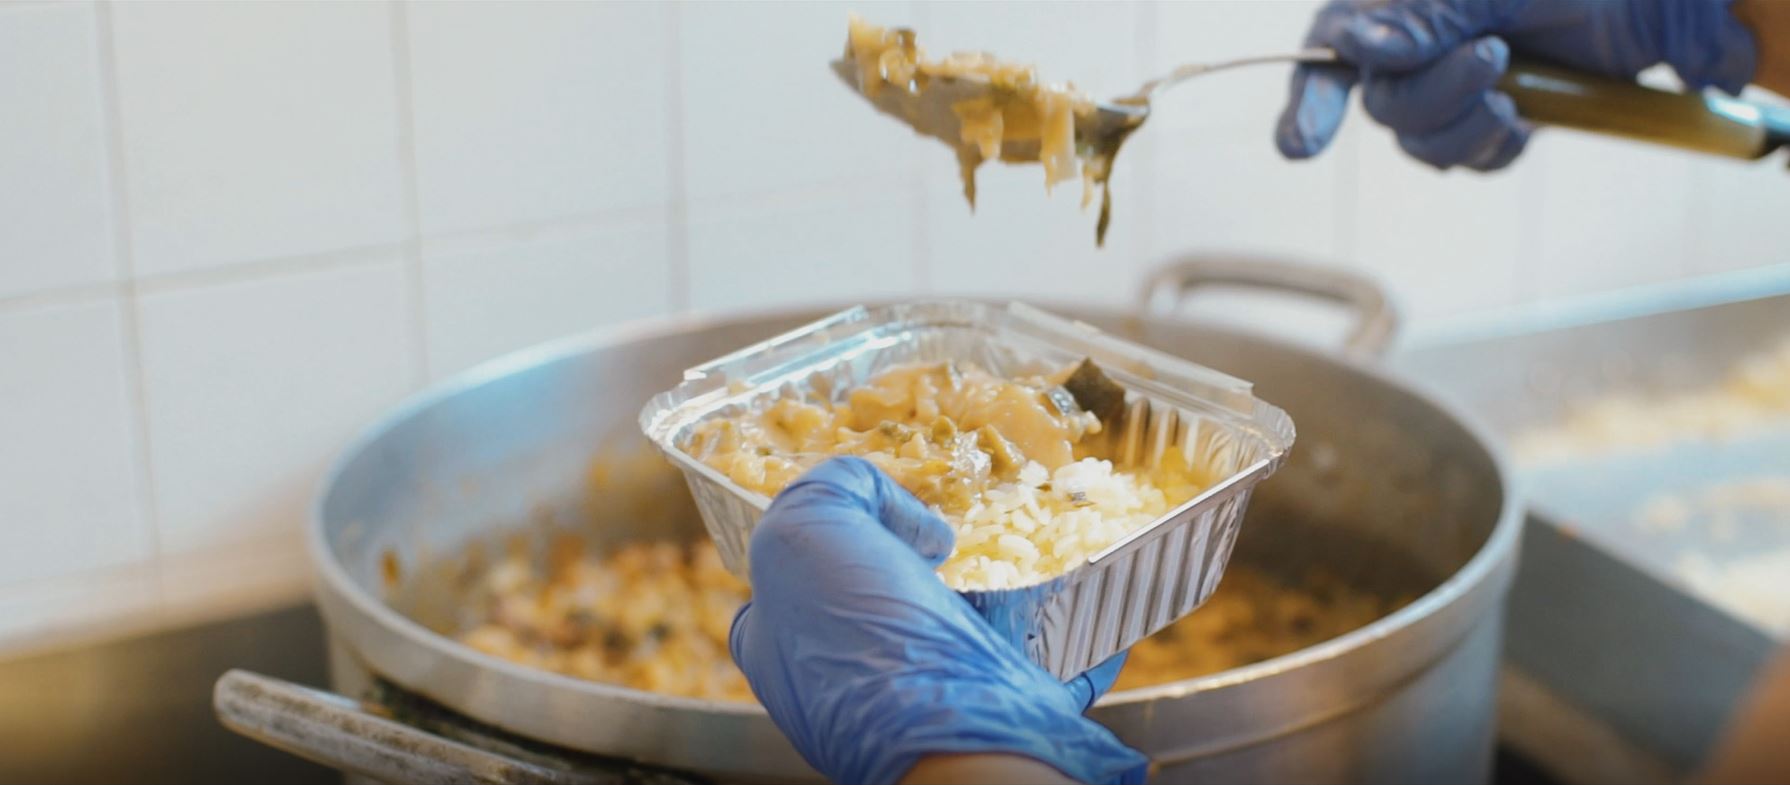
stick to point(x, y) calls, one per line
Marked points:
point(1120, 595)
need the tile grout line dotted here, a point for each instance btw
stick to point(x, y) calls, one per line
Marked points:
point(537, 229)
point(75, 294)
point(412, 250)
point(677, 218)
point(124, 257)
point(215, 275)
point(448, 242)
point(271, 269)
point(803, 193)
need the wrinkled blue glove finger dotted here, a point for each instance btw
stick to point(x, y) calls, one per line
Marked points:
point(1701, 39)
point(1095, 681)
point(1399, 37)
point(1409, 34)
point(1318, 100)
point(1436, 96)
point(846, 485)
point(1487, 138)
point(869, 663)
point(1318, 97)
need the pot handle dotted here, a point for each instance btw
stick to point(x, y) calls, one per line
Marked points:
point(352, 736)
point(1376, 321)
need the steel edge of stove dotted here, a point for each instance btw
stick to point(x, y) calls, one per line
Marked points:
point(1632, 649)
point(1531, 759)
point(180, 668)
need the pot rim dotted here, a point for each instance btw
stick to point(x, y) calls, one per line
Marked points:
point(333, 576)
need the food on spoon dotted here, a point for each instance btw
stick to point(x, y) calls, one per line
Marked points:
point(1017, 118)
point(1008, 463)
point(1019, 107)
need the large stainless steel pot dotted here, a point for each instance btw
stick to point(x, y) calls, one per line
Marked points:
point(1386, 483)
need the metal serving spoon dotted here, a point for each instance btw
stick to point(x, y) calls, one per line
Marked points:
point(929, 110)
point(1544, 94)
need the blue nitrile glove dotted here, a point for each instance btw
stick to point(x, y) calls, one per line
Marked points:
point(1429, 67)
point(868, 662)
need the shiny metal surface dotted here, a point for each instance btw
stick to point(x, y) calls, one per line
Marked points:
point(1114, 598)
point(1386, 480)
point(1550, 95)
point(1563, 740)
point(1597, 614)
point(136, 709)
point(340, 733)
point(1375, 320)
point(930, 111)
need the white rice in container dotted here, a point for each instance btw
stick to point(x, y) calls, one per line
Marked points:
point(1029, 531)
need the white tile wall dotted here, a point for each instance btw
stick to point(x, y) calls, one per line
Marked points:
point(1245, 102)
point(251, 385)
point(1736, 208)
point(510, 292)
point(55, 214)
point(1020, 242)
point(256, 130)
point(760, 109)
point(321, 205)
point(1216, 181)
point(1446, 239)
point(532, 111)
point(68, 500)
point(847, 242)
point(1612, 213)
point(1235, 193)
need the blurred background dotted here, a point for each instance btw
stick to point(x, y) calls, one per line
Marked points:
point(232, 234)
point(236, 232)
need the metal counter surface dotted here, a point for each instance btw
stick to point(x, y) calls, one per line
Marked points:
point(139, 710)
point(1596, 615)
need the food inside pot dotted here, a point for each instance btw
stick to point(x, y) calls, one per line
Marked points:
point(1017, 465)
point(1253, 617)
point(651, 616)
point(655, 617)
